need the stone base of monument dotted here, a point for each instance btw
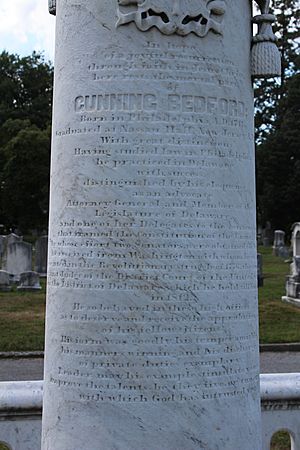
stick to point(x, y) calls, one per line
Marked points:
point(29, 281)
point(293, 301)
point(292, 290)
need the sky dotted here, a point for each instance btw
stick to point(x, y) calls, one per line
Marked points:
point(25, 26)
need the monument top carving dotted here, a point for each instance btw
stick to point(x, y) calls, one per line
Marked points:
point(180, 16)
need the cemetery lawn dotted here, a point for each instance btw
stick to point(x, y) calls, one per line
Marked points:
point(22, 314)
point(279, 321)
point(22, 320)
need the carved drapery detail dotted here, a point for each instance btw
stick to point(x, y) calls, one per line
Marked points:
point(173, 16)
point(201, 16)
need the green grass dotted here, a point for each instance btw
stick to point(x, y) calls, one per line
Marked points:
point(280, 441)
point(279, 321)
point(22, 314)
point(22, 320)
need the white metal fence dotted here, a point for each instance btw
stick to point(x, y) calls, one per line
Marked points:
point(21, 411)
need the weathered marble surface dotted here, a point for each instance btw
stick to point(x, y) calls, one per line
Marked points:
point(152, 311)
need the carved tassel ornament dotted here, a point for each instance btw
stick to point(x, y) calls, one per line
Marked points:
point(266, 61)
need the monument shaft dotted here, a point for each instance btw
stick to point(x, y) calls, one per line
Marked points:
point(151, 334)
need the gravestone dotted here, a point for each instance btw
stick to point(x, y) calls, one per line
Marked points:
point(293, 280)
point(18, 258)
point(260, 276)
point(4, 281)
point(12, 238)
point(29, 281)
point(279, 241)
point(152, 339)
point(41, 254)
point(3, 242)
point(267, 235)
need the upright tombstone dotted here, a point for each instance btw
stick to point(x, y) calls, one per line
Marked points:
point(279, 241)
point(18, 259)
point(12, 238)
point(293, 280)
point(3, 242)
point(260, 275)
point(267, 235)
point(152, 337)
point(41, 255)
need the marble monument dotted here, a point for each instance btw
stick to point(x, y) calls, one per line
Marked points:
point(152, 327)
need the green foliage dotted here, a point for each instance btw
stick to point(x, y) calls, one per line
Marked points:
point(278, 164)
point(277, 127)
point(280, 441)
point(24, 179)
point(25, 118)
point(4, 447)
point(25, 88)
point(269, 92)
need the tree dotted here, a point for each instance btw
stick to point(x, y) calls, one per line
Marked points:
point(24, 179)
point(269, 92)
point(25, 118)
point(278, 163)
point(25, 89)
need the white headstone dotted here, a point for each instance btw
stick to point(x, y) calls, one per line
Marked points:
point(152, 339)
point(18, 258)
point(279, 241)
point(293, 280)
point(29, 281)
point(279, 238)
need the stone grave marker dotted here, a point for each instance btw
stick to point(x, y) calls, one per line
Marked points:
point(29, 281)
point(41, 254)
point(18, 258)
point(3, 242)
point(152, 339)
point(260, 276)
point(4, 281)
point(279, 241)
point(293, 280)
point(12, 238)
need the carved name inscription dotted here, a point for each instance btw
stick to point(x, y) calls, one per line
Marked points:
point(158, 232)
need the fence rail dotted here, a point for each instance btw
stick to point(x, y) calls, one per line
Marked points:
point(21, 411)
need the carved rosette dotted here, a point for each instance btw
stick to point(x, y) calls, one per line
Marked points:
point(174, 16)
